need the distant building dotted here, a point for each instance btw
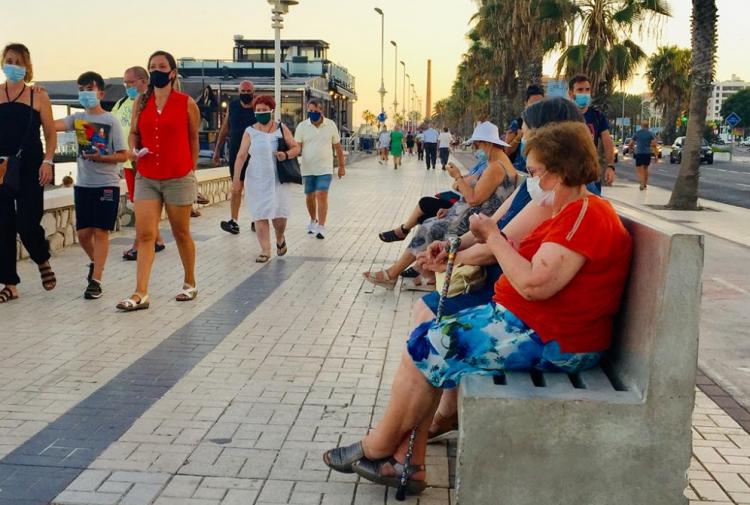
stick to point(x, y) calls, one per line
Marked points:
point(720, 91)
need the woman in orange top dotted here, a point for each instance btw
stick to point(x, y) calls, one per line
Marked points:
point(536, 320)
point(164, 142)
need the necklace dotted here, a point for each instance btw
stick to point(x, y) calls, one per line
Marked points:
point(7, 95)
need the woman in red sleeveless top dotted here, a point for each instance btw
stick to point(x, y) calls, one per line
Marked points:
point(164, 144)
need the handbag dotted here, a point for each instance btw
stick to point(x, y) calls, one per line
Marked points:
point(287, 169)
point(465, 279)
point(10, 169)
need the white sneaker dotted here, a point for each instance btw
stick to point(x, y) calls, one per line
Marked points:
point(312, 228)
point(321, 232)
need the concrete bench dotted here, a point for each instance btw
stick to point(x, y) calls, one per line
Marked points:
point(619, 434)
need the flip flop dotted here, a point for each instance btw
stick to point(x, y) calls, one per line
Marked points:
point(263, 258)
point(282, 249)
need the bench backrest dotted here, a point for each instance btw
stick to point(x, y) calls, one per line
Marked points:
point(655, 346)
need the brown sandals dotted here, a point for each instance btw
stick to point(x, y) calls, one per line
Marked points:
point(49, 281)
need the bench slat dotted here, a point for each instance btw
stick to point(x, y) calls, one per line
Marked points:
point(557, 382)
point(596, 380)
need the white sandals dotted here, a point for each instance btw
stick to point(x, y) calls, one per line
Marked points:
point(385, 280)
point(187, 294)
point(131, 304)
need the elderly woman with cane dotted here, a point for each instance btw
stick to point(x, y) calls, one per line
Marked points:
point(535, 321)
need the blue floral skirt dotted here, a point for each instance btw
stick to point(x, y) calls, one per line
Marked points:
point(486, 340)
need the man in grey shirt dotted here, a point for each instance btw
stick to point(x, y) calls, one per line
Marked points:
point(642, 145)
point(101, 150)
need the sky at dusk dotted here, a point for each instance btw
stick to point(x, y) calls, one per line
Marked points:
point(67, 38)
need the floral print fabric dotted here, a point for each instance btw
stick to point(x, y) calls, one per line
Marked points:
point(486, 340)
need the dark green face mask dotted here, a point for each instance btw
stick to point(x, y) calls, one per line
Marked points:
point(263, 117)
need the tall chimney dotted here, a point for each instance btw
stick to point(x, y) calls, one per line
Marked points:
point(428, 109)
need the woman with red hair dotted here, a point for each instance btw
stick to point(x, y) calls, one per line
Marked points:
point(267, 198)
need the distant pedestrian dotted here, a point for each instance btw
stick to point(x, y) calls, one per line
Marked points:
point(316, 136)
point(410, 142)
point(22, 113)
point(420, 145)
point(397, 146)
point(101, 150)
point(384, 145)
point(136, 83)
point(642, 145)
point(265, 197)
point(239, 117)
point(163, 116)
point(445, 139)
point(430, 137)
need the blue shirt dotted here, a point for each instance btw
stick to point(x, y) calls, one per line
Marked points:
point(597, 123)
point(643, 139)
point(430, 136)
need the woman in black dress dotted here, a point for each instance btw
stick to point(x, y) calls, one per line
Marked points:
point(410, 142)
point(22, 112)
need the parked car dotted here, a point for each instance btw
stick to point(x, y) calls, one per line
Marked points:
point(707, 154)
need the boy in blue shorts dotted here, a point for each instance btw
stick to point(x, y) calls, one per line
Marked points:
point(101, 150)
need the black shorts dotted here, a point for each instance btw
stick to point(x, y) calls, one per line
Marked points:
point(232, 159)
point(642, 160)
point(96, 207)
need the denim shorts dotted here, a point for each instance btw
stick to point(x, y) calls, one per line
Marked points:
point(315, 183)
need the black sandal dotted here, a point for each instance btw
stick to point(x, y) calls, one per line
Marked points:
point(372, 471)
point(341, 459)
point(281, 250)
point(390, 235)
point(130, 255)
point(6, 295)
point(49, 281)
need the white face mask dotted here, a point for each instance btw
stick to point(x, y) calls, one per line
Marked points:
point(543, 198)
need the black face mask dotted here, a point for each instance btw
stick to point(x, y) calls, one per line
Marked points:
point(246, 99)
point(159, 79)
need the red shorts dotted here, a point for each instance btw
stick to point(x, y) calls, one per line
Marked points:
point(130, 181)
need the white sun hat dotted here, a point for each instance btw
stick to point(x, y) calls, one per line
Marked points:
point(487, 132)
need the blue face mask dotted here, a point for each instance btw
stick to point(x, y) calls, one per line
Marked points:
point(132, 93)
point(14, 73)
point(314, 116)
point(480, 155)
point(88, 99)
point(583, 100)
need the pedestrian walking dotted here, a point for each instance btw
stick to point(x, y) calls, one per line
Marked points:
point(315, 136)
point(430, 138)
point(135, 81)
point(445, 139)
point(266, 198)
point(239, 117)
point(101, 150)
point(642, 145)
point(579, 90)
point(164, 144)
point(25, 168)
point(419, 138)
point(397, 146)
point(384, 145)
point(410, 143)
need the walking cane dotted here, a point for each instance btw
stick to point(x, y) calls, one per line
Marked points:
point(453, 244)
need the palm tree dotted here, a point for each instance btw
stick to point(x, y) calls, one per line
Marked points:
point(605, 51)
point(685, 192)
point(369, 118)
point(668, 75)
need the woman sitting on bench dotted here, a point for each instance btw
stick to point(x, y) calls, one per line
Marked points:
point(536, 321)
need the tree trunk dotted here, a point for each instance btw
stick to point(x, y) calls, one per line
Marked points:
point(685, 192)
point(669, 119)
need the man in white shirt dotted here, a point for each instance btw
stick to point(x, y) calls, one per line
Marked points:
point(430, 138)
point(445, 139)
point(316, 136)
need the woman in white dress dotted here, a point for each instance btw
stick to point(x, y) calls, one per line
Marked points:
point(266, 198)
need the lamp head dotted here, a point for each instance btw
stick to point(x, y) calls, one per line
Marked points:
point(379, 10)
point(394, 44)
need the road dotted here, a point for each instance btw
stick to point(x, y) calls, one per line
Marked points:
point(722, 182)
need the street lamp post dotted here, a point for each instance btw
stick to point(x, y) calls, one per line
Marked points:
point(403, 94)
point(279, 8)
point(395, 81)
point(407, 101)
point(382, 91)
